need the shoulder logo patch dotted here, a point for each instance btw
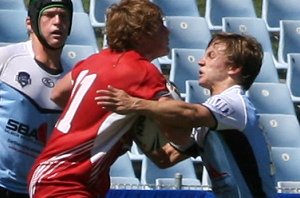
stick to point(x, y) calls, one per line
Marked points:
point(23, 78)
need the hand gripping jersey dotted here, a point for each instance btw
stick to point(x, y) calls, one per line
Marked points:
point(236, 153)
point(27, 115)
point(88, 139)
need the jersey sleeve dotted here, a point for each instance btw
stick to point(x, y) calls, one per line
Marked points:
point(229, 111)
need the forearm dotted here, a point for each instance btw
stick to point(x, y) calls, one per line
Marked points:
point(171, 112)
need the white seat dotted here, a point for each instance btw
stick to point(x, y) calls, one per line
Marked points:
point(186, 32)
point(215, 10)
point(270, 98)
point(82, 32)
point(275, 10)
point(12, 26)
point(254, 27)
point(97, 11)
point(289, 40)
point(178, 7)
point(293, 76)
point(184, 66)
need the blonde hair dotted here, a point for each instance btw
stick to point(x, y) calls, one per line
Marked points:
point(129, 21)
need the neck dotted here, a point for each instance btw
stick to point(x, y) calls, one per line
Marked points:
point(219, 88)
point(49, 57)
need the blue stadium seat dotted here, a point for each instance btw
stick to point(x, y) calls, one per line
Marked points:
point(77, 6)
point(150, 172)
point(215, 10)
point(135, 153)
point(268, 71)
point(122, 167)
point(293, 76)
point(178, 7)
point(289, 39)
point(286, 161)
point(12, 4)
point(72, 54)
point(184, 66)
point(281, 130)
point(82, 32)
point(122, 173)
point(98, 10)
point(12, 26)
point(195, 93)
point(271, 98)
point(254, 27)
point(186, 32)
point(275, 10)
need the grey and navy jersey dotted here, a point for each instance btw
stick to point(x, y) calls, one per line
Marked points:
point(27, 115)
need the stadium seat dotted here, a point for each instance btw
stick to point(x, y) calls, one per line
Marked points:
point(72, 54)
point(122, 167)
point(293, 76)
point(150, 172)
point(178, 7)
point(268, 71)
point(275, 10)
point(12, 5)
point(286, 161)
point(122, 173)
point(184, 66)
point(215, 10)
point(82, 32)
point(97, 11)
point(289, 40)
point(77, 6)
point(135, 153)
point(254, 27)
point(157, 64)
point(281, 130)
point(195, 93)
point(186, 32)
point(12, 26)
point(271, 98)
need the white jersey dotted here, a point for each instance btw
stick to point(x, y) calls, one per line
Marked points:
point(234, 114)
point(27, 115)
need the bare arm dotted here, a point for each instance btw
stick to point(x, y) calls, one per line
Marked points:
point(166, 156)
point(62, 91)
point(170, 112)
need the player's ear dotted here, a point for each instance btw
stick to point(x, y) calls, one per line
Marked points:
point(234, 69)
point(28, 24)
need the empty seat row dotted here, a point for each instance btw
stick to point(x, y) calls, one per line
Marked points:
point(151, 176)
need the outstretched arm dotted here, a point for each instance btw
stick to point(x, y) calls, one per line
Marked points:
point(170, 112)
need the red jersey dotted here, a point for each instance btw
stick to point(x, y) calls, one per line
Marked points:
point(87, 139)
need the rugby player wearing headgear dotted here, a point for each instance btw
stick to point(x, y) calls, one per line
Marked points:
point(28, 72)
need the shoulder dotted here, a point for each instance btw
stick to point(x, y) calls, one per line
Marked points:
point(229, 108)
point(13, 50)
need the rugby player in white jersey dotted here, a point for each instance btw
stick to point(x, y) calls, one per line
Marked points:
point(28, 72)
